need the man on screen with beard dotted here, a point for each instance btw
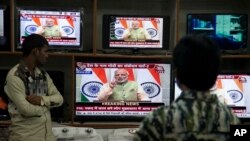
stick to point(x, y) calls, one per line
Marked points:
point(136, 33)
point(50, 29)
point(121, 89)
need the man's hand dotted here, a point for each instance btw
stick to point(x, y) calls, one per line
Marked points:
point(34, 99)
point(112, 84)
point(143, 97)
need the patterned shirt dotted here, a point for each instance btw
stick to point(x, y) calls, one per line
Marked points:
point(30, 122)
point(193, 116)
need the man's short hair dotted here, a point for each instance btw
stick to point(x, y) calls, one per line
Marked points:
point(197, 62)
point(122, 69)
point(33, 41)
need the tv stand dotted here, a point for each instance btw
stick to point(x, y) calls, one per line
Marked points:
point(135, 51)
point(235, 52)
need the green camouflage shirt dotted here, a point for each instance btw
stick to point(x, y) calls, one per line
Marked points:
point(193, 116)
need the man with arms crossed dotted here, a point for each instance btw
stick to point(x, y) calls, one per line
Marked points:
point(31, 93)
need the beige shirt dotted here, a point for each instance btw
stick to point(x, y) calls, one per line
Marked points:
point(30, 122)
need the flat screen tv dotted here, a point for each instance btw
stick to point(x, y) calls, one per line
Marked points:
point(57, 113)
point(4, 28)
point(227, 29)
point(61, 27)
point(90, 77)
point(233, 90)
point(152, 32)
point(4, 114)
point(1, 22)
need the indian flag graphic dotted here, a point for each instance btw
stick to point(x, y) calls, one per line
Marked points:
point(91, 81)
point(233, 88)
point(152, 26)
point(151, 84)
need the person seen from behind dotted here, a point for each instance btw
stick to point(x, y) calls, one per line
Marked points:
point(195, 114)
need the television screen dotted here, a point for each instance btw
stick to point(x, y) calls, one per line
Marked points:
point(147, 32)
point(233, 90)
point(228, 30)
point(4, 28)
point(152, 79)
point(1, 22)
point(62, 28)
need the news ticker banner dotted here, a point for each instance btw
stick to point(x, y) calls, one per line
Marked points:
point(241, 111)
point(240, 132)
point(115, 108)
point(59, 40)
point(135, 44)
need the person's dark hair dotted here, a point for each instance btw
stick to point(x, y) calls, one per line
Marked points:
point(33, 41)
point(196, 59)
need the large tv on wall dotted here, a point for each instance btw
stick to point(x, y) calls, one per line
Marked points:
point(62, 27)
point(153, 32)
point(154, 78)
point(233, 90)
point(4, 28)
point(229, 30)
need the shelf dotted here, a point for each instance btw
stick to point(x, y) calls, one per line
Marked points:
point(107, 125)
point(203, 28)
point(236, 56)
point(5, 123)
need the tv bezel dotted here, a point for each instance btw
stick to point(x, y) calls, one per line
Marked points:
point(165, 32)
point(52, 48)
point(225, 13)
point(117, 118)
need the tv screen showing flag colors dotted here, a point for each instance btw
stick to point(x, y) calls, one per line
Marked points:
point(60, 28)
point(233, 90)
point(90, 78)
point(124, 31)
